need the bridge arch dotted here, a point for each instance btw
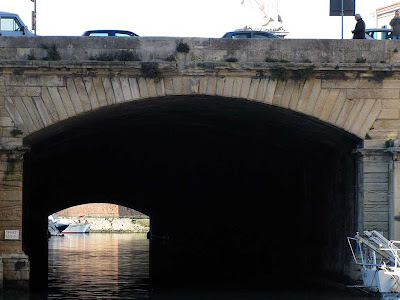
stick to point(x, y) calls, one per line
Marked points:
point(66, 96)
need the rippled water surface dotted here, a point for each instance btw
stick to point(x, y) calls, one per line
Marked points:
point(99, 266)
point(116, 266)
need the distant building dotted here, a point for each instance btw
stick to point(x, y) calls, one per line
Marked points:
point(385, 14)
point(98, 210)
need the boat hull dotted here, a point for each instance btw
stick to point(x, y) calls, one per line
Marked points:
point(77, 228)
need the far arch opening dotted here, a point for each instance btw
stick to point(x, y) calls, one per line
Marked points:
point(247, 180)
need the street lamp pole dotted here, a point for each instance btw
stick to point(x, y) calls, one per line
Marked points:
point(342, 11)
point(34, 16)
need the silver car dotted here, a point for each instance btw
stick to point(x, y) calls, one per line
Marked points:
point(12, 25)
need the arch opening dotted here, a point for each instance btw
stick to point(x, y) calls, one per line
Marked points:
point(232, 187)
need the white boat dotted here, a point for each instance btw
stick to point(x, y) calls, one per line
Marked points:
point(77, 228)
point(65, 225)
point(52, 229)
point(379, 260)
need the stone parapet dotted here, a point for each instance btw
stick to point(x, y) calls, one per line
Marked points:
point(203, 49)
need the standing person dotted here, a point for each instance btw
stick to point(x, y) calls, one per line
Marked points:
point(359, 31)
point(395, 23)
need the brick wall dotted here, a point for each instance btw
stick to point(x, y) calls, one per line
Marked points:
point(98, 210)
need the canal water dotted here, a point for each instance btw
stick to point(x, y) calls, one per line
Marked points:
point(99, 266)
point(116, 266)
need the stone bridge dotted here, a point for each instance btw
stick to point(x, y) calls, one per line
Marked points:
point(203, 135)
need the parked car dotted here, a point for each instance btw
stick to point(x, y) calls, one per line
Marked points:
point(109, 33)
point(378, 33)
point(12, 25)
point(250, 34)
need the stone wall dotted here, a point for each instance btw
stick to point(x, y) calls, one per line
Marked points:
point(116, 224)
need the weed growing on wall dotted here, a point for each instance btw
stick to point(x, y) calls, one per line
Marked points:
point(52, 52)
point(381, 75)
point(151, 70)
point(16, 132)
point(304, 73)
point(182, 48)
point(279, 74)
point(389, 143)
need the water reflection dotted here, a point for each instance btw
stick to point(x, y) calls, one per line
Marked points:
point(99, 266)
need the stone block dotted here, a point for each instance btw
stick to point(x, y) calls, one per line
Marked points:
point(11, 195)
point(383, 134)
point(24, 91)
point(376, 168)
point(374, 186)
point(387, 104)
point(376, 217)
point(389, 114)
point(376, 178)
point(351, 84)
point(376, 197)
point(373, 94)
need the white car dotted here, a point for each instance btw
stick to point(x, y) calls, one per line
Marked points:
point(378, 34)
point(12, 25)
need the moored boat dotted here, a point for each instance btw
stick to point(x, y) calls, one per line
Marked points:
point(379, 260)
point(65, 225)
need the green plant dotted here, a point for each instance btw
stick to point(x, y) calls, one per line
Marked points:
point(52, 52)
point(31, 56)
point(304, 73)
point(231, 59)
point(182, 48)
point(16, 132)
point(381, 75)
point(389, 143)
point(279, 74)
point(361, 60)
point(150, 70)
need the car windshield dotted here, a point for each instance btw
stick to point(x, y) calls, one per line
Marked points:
point(9, 24)
point(123, 34)
point(241, 35)
point(262, 35)
point(98, 34)
point(379, 35)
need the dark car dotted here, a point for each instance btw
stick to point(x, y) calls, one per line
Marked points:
point(247, 34)
point(109, 33)
point(378, 33)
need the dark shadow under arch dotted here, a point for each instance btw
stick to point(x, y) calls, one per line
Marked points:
point(230, 185)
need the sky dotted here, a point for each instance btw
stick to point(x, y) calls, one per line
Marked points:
point(304, 19)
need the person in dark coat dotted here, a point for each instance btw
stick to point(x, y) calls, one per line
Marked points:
point(395, 23)
point(359, 31)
